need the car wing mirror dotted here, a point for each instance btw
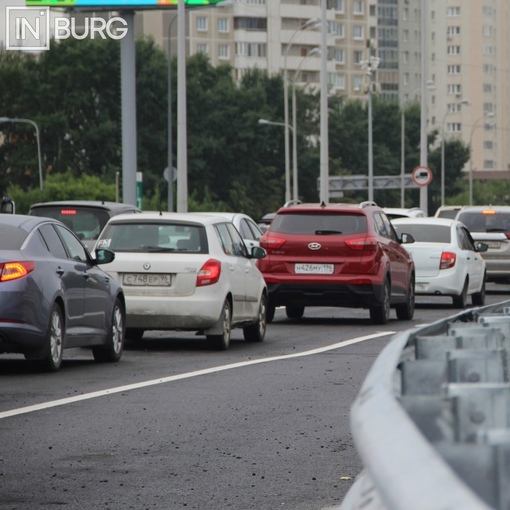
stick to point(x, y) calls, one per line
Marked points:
point(406, 239)
point(258, 253)
point(481, 247)
point(7, 206)
point(104, 256)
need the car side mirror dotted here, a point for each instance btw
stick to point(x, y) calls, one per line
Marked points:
point(104, 256)
point(257, 252)
point(481, 247)
point(7, 206)
point(406, 239)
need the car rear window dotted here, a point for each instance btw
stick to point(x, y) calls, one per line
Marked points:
point(11, 238)
point(486, 221)
point(319, 224)
point(426, 233)
point(154, 237)
point(85, 222)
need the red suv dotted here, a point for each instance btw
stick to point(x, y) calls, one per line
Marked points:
point(343, 255)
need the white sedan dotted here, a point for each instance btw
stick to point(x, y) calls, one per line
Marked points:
point(186, 271)
point(447, 260)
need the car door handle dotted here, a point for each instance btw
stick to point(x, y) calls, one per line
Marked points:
point(60, 271)
point(85, 275)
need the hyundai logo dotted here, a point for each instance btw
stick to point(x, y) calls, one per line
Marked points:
point(314, 246)
point(146, 266)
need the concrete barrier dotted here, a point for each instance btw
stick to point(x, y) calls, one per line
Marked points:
point(431, 422)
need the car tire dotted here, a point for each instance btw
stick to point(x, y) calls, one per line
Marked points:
point(222, 342)
point(134, 333)
point(381, 314)
point(295, 312)
point(461, 300)
point(111, 352)
point(54, 341)
point(257, 331)
point(270, 313)
point(478, 298)
point(405, 311)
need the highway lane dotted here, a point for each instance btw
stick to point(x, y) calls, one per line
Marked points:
point(201, 433)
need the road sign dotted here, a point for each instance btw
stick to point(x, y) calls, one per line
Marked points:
point(422, 175)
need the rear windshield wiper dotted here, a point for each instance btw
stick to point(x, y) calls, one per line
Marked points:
point(327, 232)
point(496, 230)
point(156, 249)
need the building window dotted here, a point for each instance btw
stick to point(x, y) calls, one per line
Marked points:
point(202, 48)
point(453, 50)
point(453, 11)
point(454, 89)
point(201, 24)
point(357, 32)
point(488, 164)
point(488, 145)
point(487, 87)
point(453, 30)
point(405, 57)
point(405, 35)
point(339, 56)
point(251, 49)
point(454, 69)
point(488, 49)
point(337, 5)
point(336, 29)
point(357, 83)
point(357, 7)
point(336, 81)
point(248, 23)
point(223, 52)
point(357, 56)
point(454, 127)
point(222, 25)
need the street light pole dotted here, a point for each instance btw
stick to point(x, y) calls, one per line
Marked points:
point(370, 65)
point(295, 193)
point(458, 103)
point(311, 23)
point(28, 121)
point(475, 125)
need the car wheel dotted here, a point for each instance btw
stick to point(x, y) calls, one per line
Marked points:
point(461, 301)
point(295, 312)
point(270, 313)
point(381, 314)
point(257, 331)
point(222, 342)
point(134, 333)
point(54, 341)
point(112, 350)
point(478, 298)
point(405, 311)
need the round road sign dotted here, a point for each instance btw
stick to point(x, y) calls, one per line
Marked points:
point(422, 175)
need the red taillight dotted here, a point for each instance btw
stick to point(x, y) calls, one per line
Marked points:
point(14, 270)
point(507, 235)
point(67, 212)
point(271, 243)
point(365, 243)
point(359, 281)
point(448, 260)
point(209, 273)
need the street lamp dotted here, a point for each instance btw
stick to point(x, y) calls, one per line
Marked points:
point(475, 125)
point(429, 86)
point(225, 3)
point(311, 23)
point(448, 111)
point(370, 66)
point(295, 194)
point(28, 121)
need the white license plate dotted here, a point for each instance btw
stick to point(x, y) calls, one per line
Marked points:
point(494, 245)
point(314, 268)
point(422, 286)
point(151, 280)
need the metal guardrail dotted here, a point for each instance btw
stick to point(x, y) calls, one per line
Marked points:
point(431, 422)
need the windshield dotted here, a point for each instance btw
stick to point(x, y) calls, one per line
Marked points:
point(486, 221)
point(319, 224)
point(85, 222)
point(154, 237)
point(426, 233)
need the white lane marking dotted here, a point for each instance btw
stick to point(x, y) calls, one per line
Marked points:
point(205, 371)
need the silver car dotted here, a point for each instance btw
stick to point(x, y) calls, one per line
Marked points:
point(491, 224)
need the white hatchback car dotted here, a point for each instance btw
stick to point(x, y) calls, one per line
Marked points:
point(249, 230)
point(399, 212)
point(447, 260)
point(186, 271)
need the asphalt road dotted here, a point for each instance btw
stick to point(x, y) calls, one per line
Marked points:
point(175, 425)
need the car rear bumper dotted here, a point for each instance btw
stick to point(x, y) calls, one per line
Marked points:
point(21, 338)
point(341, 295)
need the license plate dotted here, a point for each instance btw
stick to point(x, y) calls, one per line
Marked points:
point(314, 268)
point(151, 280)
point(422, 286)
point(495, 245)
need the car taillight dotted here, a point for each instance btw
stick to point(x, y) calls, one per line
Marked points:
point(14, 270)
point(448, 260)
point(507, 235)
point(366, 243)
point(209, 273)
point(271, 243)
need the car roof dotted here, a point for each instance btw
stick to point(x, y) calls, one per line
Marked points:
point(23, 221)
point(477, 208)
point(206, 219)
point(403, 210)
point(97, 204)
point(425, 221)
point(335, 207)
